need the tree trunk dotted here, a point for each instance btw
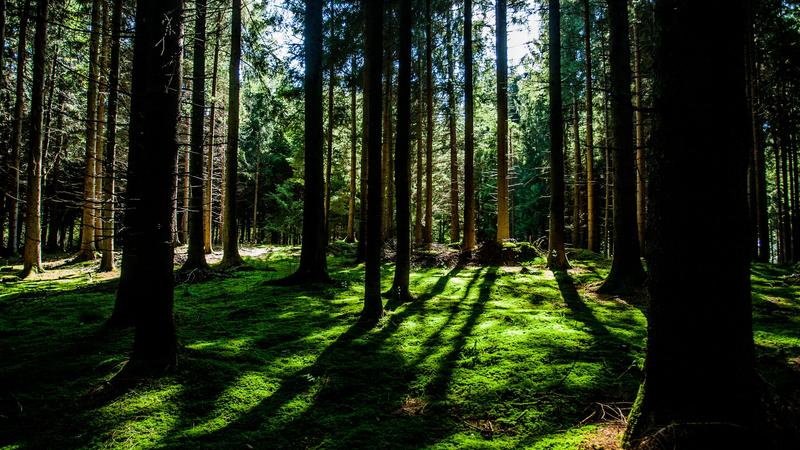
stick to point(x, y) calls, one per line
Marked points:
point(402, 170)
point(469, 144)
point(577, 195)
point(255, 235)
point(230, 241)
point(373, 304)
point(212, 128)
point(699, 388)
point(329, 158)
point(351, 203)
point(502, 122)
point(428, 236)
point(388, 199)
point(455, 227)
point(418, 225)
point(147, 280)
point(591, 196)
point(641, 204)
point(556, 256)
point(16, 131)
point(32, 259)
point(99, 141)
point(195, 253)
point(109, 172)
point(626, 273)
point(86, 252)
point(361, 253)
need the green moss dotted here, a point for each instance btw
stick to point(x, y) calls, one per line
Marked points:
point(484, 358)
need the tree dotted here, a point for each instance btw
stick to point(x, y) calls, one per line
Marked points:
point(107, 242)
point(402, 171)
point(88, 230)
point(351, 203)
point(428, 232)
point(153, 147)
point(212, 123)
point(699, 371)
point(230, 237)
point(577, 193)
point(556, 256)
point(16, 130)
point(591, 196)
point(626, 268)
point(373, 36)
point(469, 134)
point(313, 262)
point(196, 257)
point(455, 228)
point(502, 121)
point(32, 258)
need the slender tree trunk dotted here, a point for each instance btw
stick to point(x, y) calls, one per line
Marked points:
point(388, 200)
point(556, 256)
point(361, 253)
point(418, 225)
point(230, 241)
point(53, 183)
point(402, 170)
point(86, 252)
point(608, 227)
point(502, 122)
point(255, 236)
point(109, 171)
point(577, 194)
point(626, 273)
point(699, 388)
point(455, 227)
point(146, 284)
point(469, 144)
point(195, 253)
point(183, 235)
point(32, 259)
point(591, 196)
point(3, 173)
point(99, 141)
point(428, 236)
point(329, 158)
point(641, 203)
point(16, 130)
point(212, 127)
point(351, 204)
point(373, 304)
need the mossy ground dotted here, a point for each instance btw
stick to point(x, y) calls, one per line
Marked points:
point(493, 357)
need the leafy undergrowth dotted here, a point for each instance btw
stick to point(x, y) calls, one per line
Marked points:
point(493, 357)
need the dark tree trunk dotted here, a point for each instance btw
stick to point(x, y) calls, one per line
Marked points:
point(386, 160)
point(402, 171)
point(373, 304)
point(591, 196)
point(428, 232)
point(107, 259)
point(699, 371)
point(418, 225)
point(212, 128)
point(329, 139)
point(556, 256)
point(361, 253)
point(641, 197)
point(351, 203)
point(313, 263)
point(502, 122)
point(455, 227)
point(16, 131)
point(469, 134)
point(230, 240)
point(577, 193)
point(147, 281)
point(626, 273)
point(196, 256)
point(32, 258)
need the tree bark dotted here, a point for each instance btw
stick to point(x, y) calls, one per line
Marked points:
point(88, 246)
point(502, 122)
point(641, 198)
point(402, 171)
point(591, 196)
point(418, 225)
point(626, 273)
point(16, 130)
point(428, 235)
point(195, 253)
point(329, 139)
point(386, 168)
point(469, 143)
point(351, 203)
point(147, 281)
point(361, 253)
point(699, 384)
point(99, 141)
point(577, 194)
point(212, 128)
point(109, 171)
point(32, 259)
point(556, 256)
point(455, 227)
point(230, 239)
point(373, 304)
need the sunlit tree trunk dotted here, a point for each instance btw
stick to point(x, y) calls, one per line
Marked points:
point(502, 121)
point(32, 258)
point(469, 144)
point(591, 196)
point(361, 253)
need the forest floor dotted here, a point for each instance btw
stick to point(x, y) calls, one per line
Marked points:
point(486, 357)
